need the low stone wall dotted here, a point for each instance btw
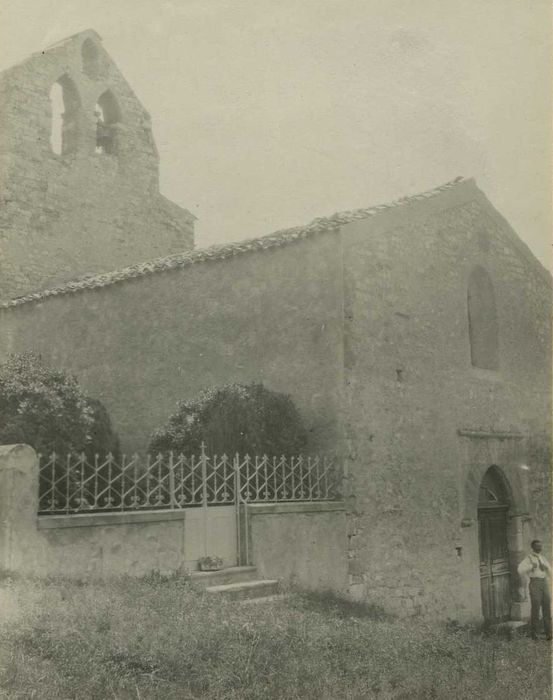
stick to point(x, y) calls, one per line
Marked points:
point(95, 544)
point(302, 543)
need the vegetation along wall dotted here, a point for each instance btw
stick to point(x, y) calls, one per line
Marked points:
point(142, 343)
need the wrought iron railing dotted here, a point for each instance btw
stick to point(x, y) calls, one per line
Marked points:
point(76, 484)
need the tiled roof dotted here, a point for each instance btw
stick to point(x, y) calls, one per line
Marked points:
point(222, 251)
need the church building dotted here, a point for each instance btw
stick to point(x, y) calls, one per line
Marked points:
point(414, 337)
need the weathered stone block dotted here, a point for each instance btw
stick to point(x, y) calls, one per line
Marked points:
point(355, 567)
point(357, 592)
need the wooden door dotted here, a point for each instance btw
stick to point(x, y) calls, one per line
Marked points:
point(495, 575)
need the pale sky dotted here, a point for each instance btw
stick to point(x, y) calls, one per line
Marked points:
point(268, 113)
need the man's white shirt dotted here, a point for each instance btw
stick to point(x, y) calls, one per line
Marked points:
point(530, 568)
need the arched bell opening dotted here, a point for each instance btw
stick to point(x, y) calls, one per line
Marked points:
point(65, 105)
point(108, 115)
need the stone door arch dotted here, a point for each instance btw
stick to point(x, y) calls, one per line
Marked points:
point(496, 578)
point(498, 461)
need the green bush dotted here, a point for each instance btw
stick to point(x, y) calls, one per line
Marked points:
point(102, 438)
point(44, 407)
point(234, 418)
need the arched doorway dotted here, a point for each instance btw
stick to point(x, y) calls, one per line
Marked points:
point(495, 574)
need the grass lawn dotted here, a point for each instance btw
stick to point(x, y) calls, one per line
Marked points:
point(160, 638)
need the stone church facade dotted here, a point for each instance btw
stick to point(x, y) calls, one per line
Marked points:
point(415, 339)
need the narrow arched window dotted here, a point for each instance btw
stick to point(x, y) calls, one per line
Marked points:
point(482, 316)
point(91, 59)
point(107, 115)
point(65, 105)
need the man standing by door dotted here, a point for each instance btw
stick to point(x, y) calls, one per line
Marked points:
point(535, 572)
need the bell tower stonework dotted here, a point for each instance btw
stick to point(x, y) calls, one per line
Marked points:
point(79, 172)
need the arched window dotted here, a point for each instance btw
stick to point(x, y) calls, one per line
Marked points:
point(107, 114)
point(91, 59)
point(483, 329)
point(65, 104)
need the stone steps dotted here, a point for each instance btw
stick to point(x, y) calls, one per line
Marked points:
point(261, 588)
point(237, 583)
point(233, 574)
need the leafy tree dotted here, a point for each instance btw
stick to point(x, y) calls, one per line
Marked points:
point(234, 418)
point(45, 408)
point(102, 437)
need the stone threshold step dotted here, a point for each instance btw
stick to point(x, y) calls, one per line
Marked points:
point(222, 572)
point(511, 628)
point(228, 575)
point(511, 624)
point(242, 586)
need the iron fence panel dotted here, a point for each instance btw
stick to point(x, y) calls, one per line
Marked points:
point(74, 483)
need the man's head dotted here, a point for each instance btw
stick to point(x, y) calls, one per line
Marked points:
point(536, 546)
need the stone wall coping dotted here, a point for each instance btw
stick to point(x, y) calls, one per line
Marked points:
point(8, 450)
point(52, 522)
point(300, 507)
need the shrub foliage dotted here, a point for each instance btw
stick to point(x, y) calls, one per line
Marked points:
point(44, 407)
point(234, 418)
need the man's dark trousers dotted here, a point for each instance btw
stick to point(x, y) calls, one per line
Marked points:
point(540, 597)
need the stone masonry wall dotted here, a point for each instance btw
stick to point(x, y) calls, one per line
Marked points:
point(411, 388)
point(316, 560)
point(81, 212)
point(141, 345)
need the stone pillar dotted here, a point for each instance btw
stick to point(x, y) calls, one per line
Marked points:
point(515, 536)
point(19, 550)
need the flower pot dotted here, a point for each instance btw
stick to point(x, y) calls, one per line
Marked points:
point(211, 564)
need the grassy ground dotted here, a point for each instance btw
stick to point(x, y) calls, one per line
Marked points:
point(157, 638)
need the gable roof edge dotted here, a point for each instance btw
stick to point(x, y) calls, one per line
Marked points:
point(521, 247)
